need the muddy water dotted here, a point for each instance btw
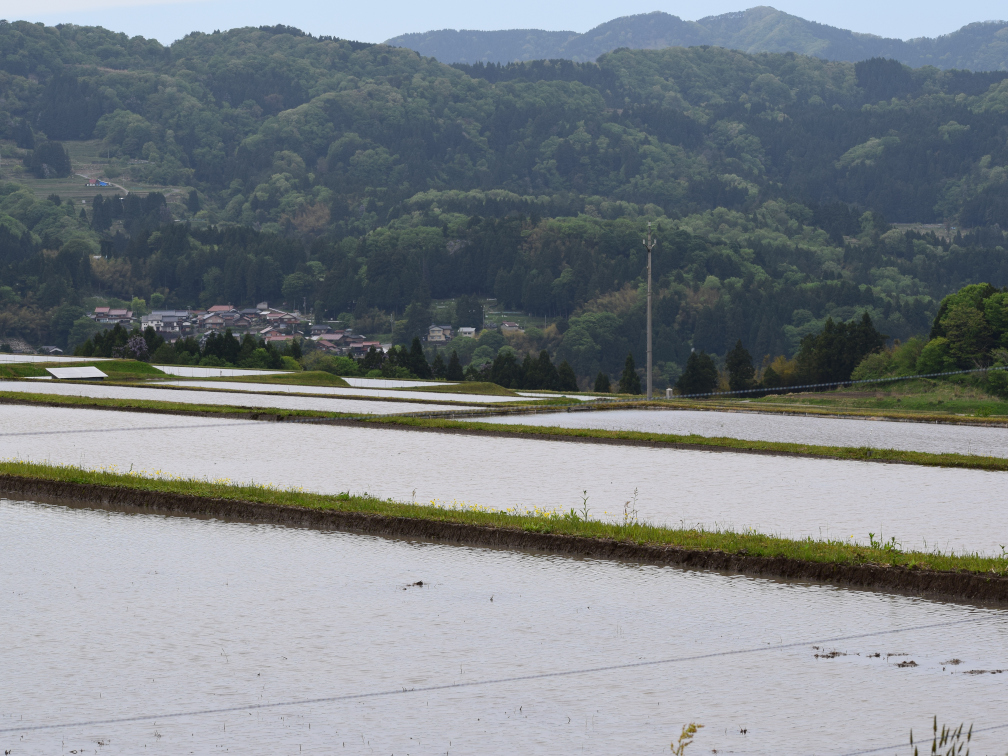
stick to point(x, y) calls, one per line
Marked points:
point(921, 507)
point(233, 399)
point(112, 616)
point(826, 431)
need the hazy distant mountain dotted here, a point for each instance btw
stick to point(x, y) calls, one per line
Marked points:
point(976, 47)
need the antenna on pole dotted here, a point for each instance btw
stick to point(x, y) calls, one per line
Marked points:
point(649, 245)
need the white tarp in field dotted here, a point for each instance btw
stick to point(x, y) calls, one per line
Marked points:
point(76, 373)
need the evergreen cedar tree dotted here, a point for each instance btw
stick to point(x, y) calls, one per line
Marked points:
point(629, 382)
point(372, 360)
point(741, 373)
point(468, 312)
point(438, 369)
point(568, 379)
point(700, 376)
point(417, 361)
point(831, 355)
point(50, 160)
point(454, 371)
point(602, 385)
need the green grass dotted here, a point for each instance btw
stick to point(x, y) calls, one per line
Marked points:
point(921, 397)
point(481, 388)
point(307, 378)
point(14, 371)
point(123, 370)
point(749, 543)
point(117, 370)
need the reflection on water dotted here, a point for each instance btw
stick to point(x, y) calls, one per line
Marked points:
point(921, 507)
point(194, 371)
point(323, 404)
point(383, 393)
point(825, 431)
point(106, 616)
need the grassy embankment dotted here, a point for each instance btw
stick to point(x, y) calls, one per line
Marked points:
point(476, 427)
point(749, 543)
point(477, 388)
point(116, 370)
point(921, 397)
point(321, 378)
point(307, 378)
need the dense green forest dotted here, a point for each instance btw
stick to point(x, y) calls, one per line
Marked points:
point(364, 180)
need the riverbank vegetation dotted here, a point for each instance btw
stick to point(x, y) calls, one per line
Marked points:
point(558, 521)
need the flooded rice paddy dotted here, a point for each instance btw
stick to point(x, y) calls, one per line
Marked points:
point(196, 371)
point(110, 616)
point(225, 398)
point(756, 426)
point(379, 393)
point(962, 510)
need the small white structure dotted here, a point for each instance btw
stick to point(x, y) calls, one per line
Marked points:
point(468, 331)
point(77, 374)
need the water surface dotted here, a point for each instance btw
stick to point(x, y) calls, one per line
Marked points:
point(921, 507)
point(107, 615)
point(196, 371)
point(228, 398)
point(800, 429)
point(353, 391)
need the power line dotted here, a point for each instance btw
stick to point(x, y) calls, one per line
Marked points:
point(835, 383)
point(492, 681)
point(901, 745)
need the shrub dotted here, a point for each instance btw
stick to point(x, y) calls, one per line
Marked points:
point(332, 364)
point(873, 366)
point(935, 357)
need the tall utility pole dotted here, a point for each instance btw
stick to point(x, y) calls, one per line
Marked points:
point(649, 245)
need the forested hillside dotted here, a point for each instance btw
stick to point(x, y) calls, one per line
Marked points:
point(364, 179)
point(975, 47)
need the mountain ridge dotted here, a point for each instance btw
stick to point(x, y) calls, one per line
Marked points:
point(978, 46)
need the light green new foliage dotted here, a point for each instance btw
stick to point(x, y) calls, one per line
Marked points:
point(685, 738)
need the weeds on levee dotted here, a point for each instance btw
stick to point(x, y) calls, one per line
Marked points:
point(685, 738)
point(623, 527)
point(948, 742)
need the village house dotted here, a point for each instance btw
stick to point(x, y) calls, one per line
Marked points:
point(467, 331)
point(112, 315)
point(166, 321)
point(508, 327)
point(439, 334)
